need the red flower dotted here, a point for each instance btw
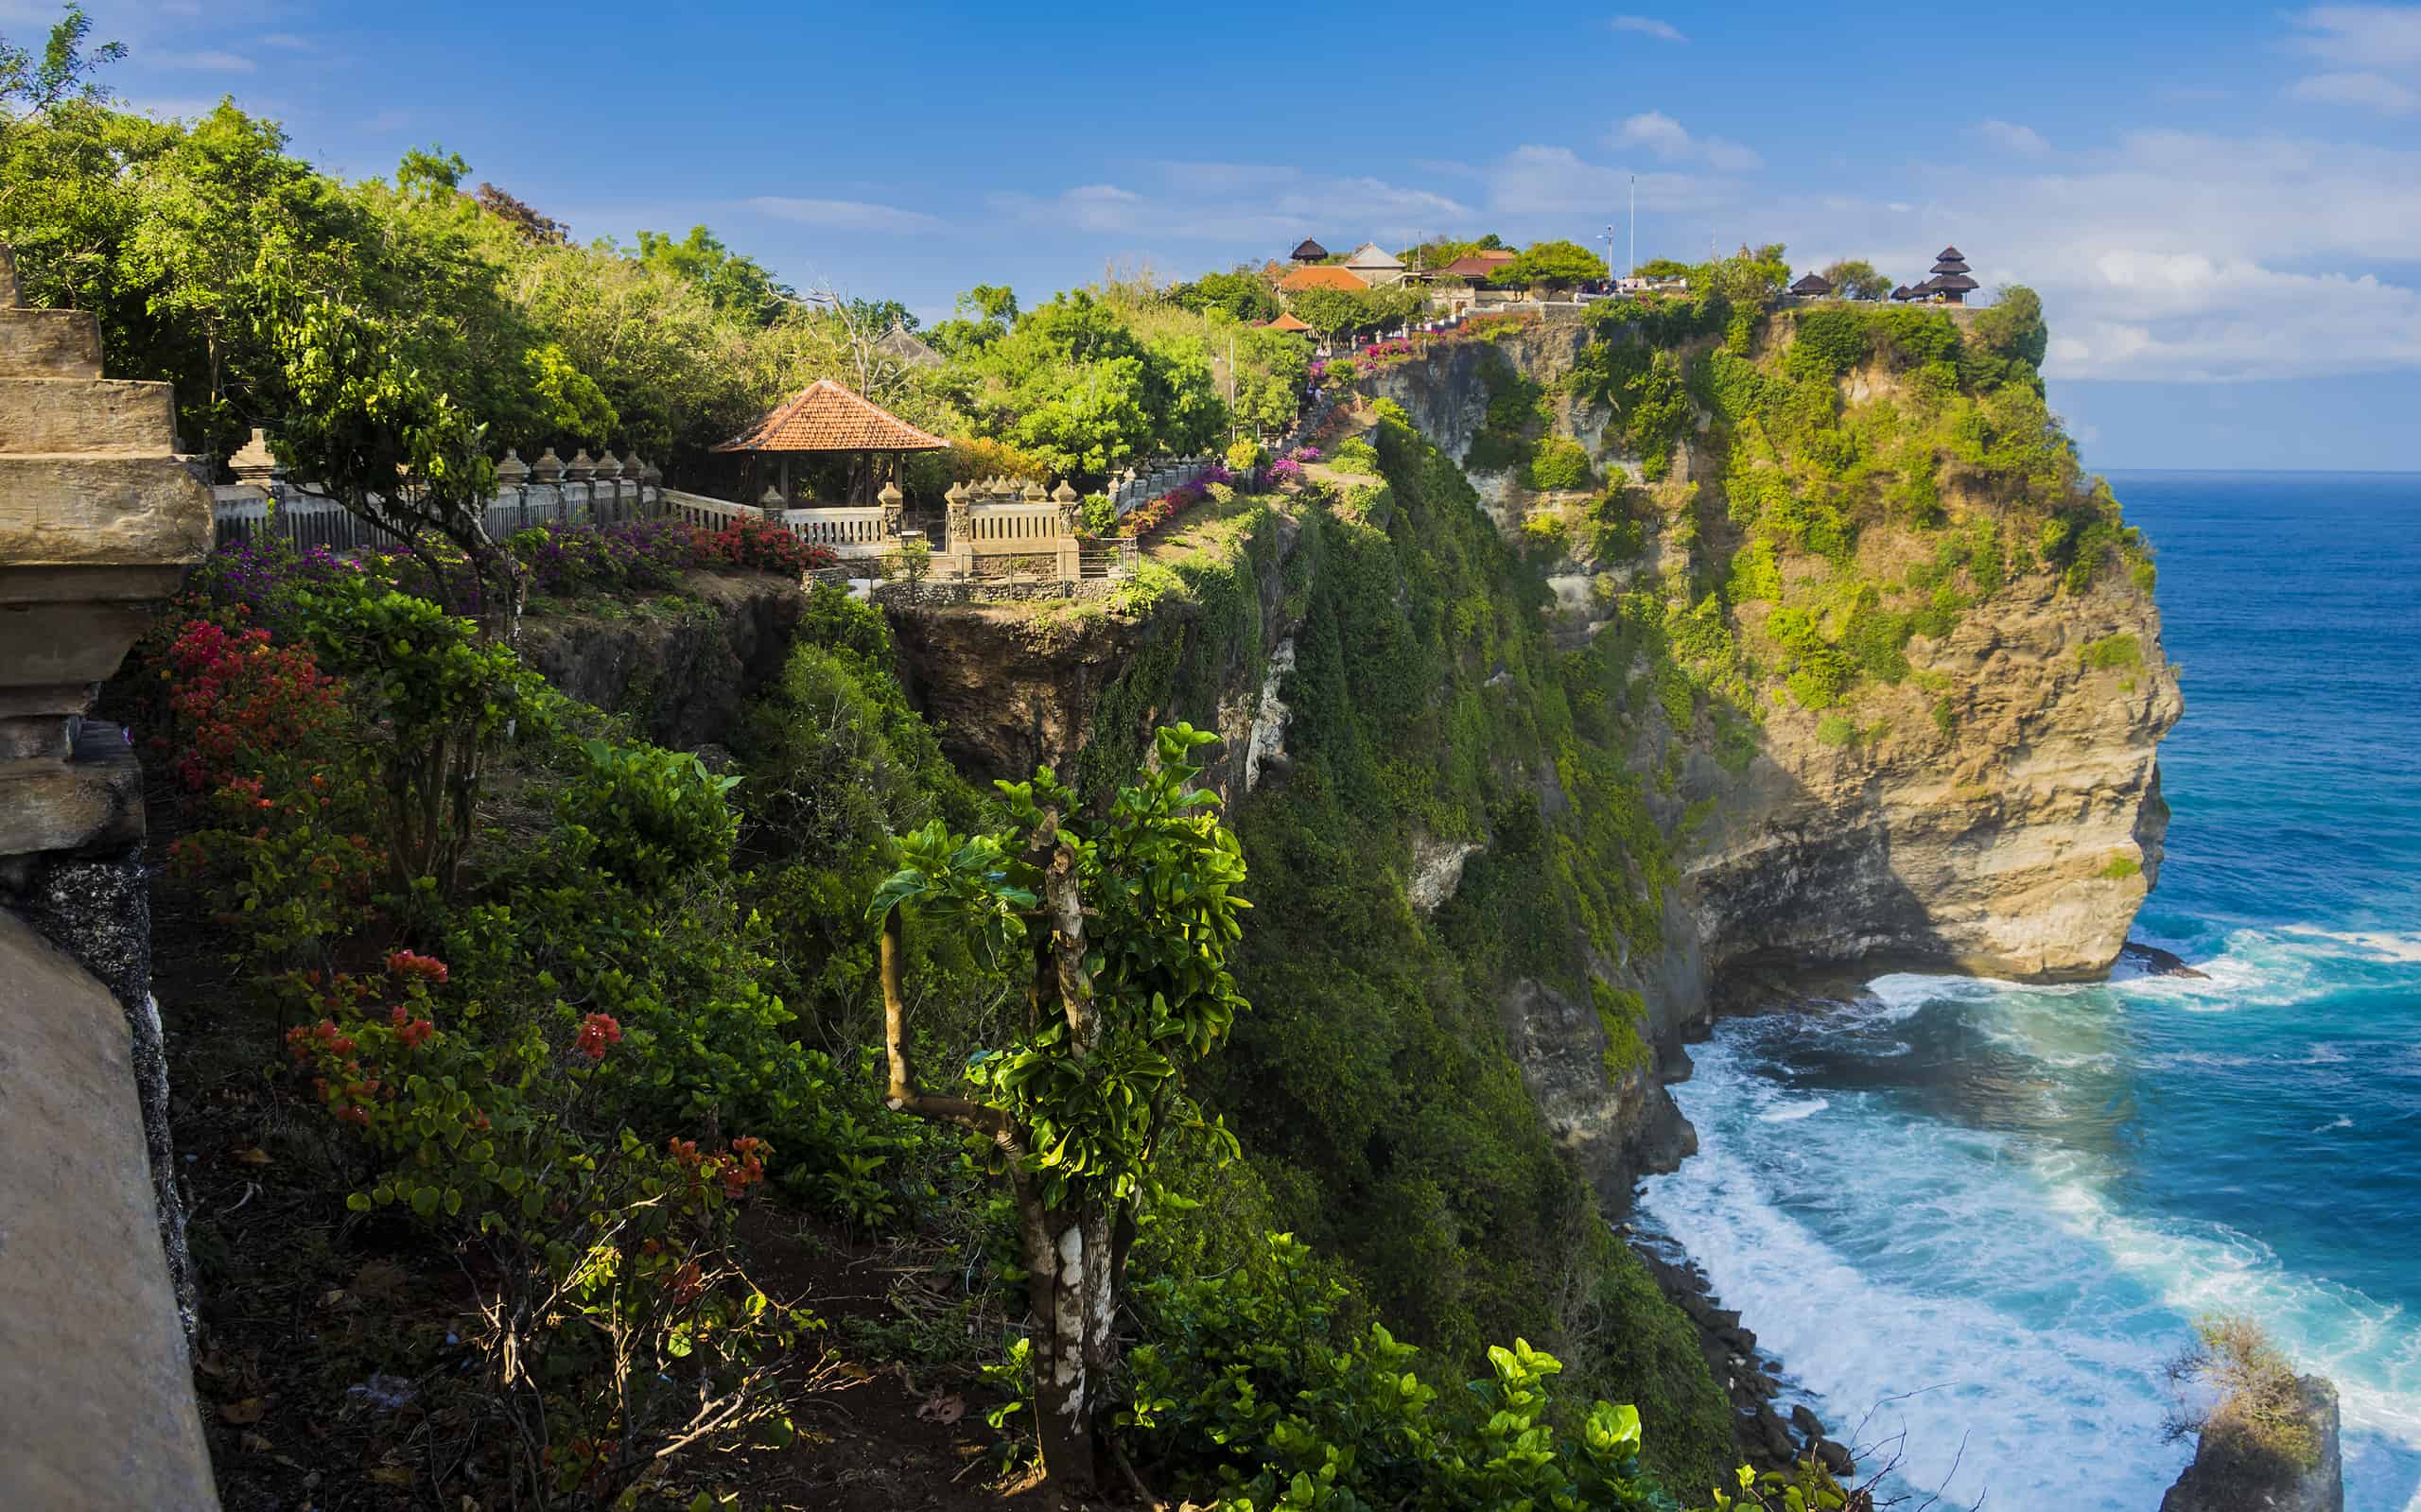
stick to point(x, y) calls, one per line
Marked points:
point(412, 964)
point(597, 1032)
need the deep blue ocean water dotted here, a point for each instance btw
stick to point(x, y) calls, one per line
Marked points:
point(1981, 1215)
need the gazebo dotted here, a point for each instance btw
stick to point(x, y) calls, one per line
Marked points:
point(1309, 250)
point(1950, 282)
point(822, 419)
point(1814, 286)
point(1287, 320)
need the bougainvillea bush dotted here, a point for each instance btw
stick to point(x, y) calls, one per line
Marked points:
point(643, 554)
point(761, 548)
point(1149, 516)
point(550, 1050)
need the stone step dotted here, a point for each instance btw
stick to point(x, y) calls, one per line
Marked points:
point(89, 416)
point(49, 344)
point(101, 510)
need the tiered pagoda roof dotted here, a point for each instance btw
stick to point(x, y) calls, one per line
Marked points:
point(1950, 275)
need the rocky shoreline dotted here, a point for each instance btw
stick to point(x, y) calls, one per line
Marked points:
point(1771, 1438)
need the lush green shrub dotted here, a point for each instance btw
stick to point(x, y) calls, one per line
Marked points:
point(2119, 867)
point(2112, 653)
point(1355, 456)
point(1559, 465)
point(651, 816)
point(1835, 730)
point(1256, 1393)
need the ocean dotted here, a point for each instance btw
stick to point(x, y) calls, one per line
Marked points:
point(1976, 1217)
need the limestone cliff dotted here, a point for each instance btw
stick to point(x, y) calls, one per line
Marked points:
point(1997, 811)
point(1870, 733)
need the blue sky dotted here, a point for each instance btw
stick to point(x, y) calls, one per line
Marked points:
point(2220, 205)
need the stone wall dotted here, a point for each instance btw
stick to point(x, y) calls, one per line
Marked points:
point(99, 518)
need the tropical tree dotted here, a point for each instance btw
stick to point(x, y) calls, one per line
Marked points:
point(1552, 265)
point(1856, 278)
point(1121, 927)
point(1243, 293)
point(1334, 312)
point(65, 71)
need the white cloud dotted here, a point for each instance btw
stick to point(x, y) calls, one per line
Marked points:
point(2377, 51)
point(218, 62)
point(2012, 137)
point(2367, 36)
point(1245, 205)
point(2371, 91)
point(1534, 180)
point(840, 215)
point(1648, 26)
point(286, 42)
point(1669, 139)
point(2148, 267)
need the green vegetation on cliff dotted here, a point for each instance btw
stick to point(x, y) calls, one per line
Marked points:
point(1373, 1087)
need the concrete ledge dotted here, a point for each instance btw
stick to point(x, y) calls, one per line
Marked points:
point(88, 415)
point(104, 510)
point(49, 344)
point(97, 1405)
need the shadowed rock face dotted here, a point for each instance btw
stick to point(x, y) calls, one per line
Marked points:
point(2020, 843)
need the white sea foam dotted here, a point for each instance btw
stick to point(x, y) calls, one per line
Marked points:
point(1881, 1252)
point(2403, 948)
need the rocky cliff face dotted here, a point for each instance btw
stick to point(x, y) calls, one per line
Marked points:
point(2015, 838)
point(2000, 812)
point(682, 674)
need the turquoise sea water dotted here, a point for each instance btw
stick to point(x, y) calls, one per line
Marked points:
point(1981, 1215)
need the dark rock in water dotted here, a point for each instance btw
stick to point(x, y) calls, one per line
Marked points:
point(1809, 1424)
point(1740, 1339)
point(2158, 962)
point(1835, 1457)
point(2230, 1474)
point(1774, 1438)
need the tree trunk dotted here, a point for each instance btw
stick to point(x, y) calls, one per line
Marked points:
point(1069, 1262)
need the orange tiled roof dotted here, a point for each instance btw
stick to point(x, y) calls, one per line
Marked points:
point(1303, 278)
point(1288, 320)
point(825, 416)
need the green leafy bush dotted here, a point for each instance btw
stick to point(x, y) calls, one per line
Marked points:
point(648, 816)
point(1257, 1394)
point(2112, 653)
point(1559, 465)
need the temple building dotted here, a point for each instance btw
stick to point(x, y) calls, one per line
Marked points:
point(1814, 286)
point(1321, 277)
point(1950, 282)
point(1374, 266)
point(1309, 252)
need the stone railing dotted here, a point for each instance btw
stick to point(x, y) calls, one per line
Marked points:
point(604, 490)
point(997, 525)
point(707, 513)
point(846, 530)
point(98, 521)
point(1138, 486)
